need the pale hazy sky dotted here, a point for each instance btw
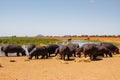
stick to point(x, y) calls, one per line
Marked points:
point(59, 17)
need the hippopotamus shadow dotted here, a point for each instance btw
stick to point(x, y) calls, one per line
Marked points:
point(42, 59)
point(70, 60)
point(51, 56)
point(97, 59)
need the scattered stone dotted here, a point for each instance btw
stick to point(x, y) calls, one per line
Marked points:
point(27, 60)
point(12, 60)
point(0, 65)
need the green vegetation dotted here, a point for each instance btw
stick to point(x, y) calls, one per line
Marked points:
point(41, 41)
point(28, 40)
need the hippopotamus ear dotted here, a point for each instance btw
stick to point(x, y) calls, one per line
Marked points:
point(23, 52)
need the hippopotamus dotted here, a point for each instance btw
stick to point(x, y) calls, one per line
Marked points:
point(51, 48)
point(37, 51)
point(111, 47)
point(30, 47)
point(94, 50)
point(89, 49)
point(63, 50)
point(73, 47)
point(11, 48)
point(101, 50)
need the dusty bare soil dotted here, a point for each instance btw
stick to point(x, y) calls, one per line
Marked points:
point(19, 68)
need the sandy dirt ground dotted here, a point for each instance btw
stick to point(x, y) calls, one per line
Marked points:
point(55, 69)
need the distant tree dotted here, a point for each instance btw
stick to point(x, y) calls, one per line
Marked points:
point(84, 35)
point(40, 35)
point(118, 35)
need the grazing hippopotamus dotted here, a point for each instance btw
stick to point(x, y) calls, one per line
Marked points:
point(51, 48)
point(13, 49)
point(111, 47)
point(63, 50)
point(101, 50)
point(73, 47)
point(37, 51)
point(30, 47)
point(89, 49)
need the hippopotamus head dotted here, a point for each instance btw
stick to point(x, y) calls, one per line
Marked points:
point(30, 57)
point(117, 51)
point(78, 52)
point(23, 53)
point(32, 53)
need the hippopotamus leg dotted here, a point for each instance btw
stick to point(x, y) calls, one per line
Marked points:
point(94, 57)
point(63, 56)
point(42, 56)
point(103, 55)
point(60, 56)
point(91, 56)
point(106, 55)
point(74, 54)
point(18, 54)
point(6, 54)
point(79, 55)
point(36, 56)
point(110, 54)
point(49, 54)
point(85, 55)
point(46, 56)
point(55, 54)
point(30, 57)
point(68, 56)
